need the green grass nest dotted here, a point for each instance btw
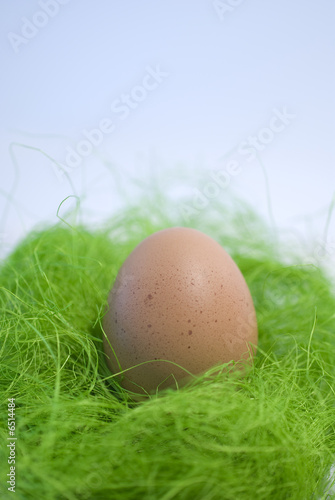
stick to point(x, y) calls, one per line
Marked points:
point(267, 435)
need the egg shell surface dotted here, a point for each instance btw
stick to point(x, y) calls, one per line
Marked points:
point(178, 297)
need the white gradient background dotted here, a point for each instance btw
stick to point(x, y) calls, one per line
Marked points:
point(225, 78)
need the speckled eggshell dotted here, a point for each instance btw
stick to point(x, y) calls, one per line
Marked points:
point(180, 297)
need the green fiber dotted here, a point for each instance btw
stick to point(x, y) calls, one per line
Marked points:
point(267, 435)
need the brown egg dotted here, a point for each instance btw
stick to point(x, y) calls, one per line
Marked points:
point(179, 297)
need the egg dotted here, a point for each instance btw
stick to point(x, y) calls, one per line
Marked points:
point(179, 306)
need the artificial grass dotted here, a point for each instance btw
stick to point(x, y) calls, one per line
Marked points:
point(266, 435)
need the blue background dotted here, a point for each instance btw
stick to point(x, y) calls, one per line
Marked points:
point(228, 69)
